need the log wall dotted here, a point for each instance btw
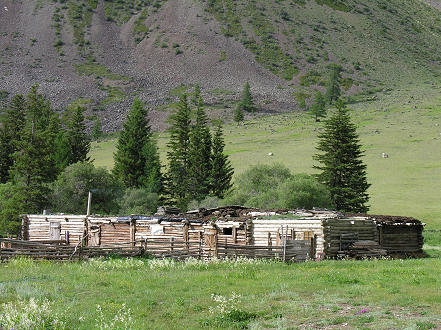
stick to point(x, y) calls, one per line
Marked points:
point(265, 231)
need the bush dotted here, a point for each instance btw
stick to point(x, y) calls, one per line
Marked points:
point(139, 201)
point(273, 186)
point(72, 186)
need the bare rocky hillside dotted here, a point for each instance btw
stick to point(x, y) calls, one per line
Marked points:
point(101, 53)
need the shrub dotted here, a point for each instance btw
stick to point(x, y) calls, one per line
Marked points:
point(139, 201)
point(273, 186)
point(72, 186)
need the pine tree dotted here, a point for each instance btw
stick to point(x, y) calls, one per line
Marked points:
point(333, 91)
point(318, 107)
point(62, 151)
point(246, 102)
point(238, 114)
point(200, 155)
point(10, 134)
point(132, 158)
point(222, 172)
point(34, 164)
point(97, 130)
point(342, 169)
point(196, 95)
point(76, 134)
point(177, 180)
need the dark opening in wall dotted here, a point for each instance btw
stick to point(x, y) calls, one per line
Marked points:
point(227, 231)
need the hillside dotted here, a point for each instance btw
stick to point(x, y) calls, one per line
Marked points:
point(102, 53)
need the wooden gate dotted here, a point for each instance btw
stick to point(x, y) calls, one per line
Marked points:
point(55, 231)
point(210, 242)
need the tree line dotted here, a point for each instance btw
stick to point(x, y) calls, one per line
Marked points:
point(44, 162)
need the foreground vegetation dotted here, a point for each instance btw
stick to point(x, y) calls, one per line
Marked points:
point(161, 294)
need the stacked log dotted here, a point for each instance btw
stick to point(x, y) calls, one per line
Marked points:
point(363, 249)
point(365, 229)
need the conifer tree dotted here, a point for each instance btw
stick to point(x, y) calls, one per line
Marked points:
point(333, 91)
point(133, 163)
point(342, 169)
point(222, 172)
point(10, 134)
point(318, 107)
point(196, 95)
point(177, 180)
point(34, 164)
point(246, 102)
point(97, 130)
point(200, 155)
point(76, 134)
point(238, 114)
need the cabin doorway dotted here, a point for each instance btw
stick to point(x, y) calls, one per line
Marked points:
point(55, 231)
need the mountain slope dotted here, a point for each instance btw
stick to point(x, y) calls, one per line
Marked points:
point(102, 53)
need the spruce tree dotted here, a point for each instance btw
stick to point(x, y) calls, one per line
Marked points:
point(238, 114)
point(246, 102)
point(10, 134)
point(133, 163)
point(76, 134)
point(34, 164)
point(342, 169)
point(97, 130)
point(200, 155)
point(333, 91)
point(222, 172)
point(318, 107)
point(196, 95)
point(177, 180)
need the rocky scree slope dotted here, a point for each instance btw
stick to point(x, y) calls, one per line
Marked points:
point(102, 53)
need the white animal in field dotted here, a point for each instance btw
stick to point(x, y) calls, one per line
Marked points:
point(384, 155)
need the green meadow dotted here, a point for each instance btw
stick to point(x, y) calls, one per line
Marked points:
point(161, 294)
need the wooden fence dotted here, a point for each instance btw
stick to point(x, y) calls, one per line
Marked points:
point(290, 250)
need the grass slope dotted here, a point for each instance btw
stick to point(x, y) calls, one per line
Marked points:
point(377, 294)
point(405, 124)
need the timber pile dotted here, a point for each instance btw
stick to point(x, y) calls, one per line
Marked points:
point(363, 249)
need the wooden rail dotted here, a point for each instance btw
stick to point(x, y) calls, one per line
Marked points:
point(290, 251)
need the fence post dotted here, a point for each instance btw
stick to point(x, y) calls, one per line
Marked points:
point(215, 246)
point(284, 250)
point(171, 243)
point(200, 245)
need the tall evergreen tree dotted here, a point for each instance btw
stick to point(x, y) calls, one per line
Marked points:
point(76, 133)
point(177, 180)
point(200, 155)
point(342, 169)
point(133, 163)
point(10, 134)
point(34, 164)
point(333, 91)
point(318, 107)
point(196, 95)
point(238, 114)
point(222, 172)
point(246, 102)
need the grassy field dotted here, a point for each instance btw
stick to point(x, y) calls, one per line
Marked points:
point(406, 125)
point(149, 294)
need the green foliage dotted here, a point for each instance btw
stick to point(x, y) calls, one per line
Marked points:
point(318, 107)
point(139, 202)
point(71, 189)
point(333, 86)
point(208, 202)
point(342, 169)
point(10, 134)
point(200, 155)
point(136, 158)
point(177, 179)
point(246, 103)
point(10, 209)
point(196, 97)
point(222, 171)
point(273, 186)
point(97, 130)
point(238, 114)
point(76, 134)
